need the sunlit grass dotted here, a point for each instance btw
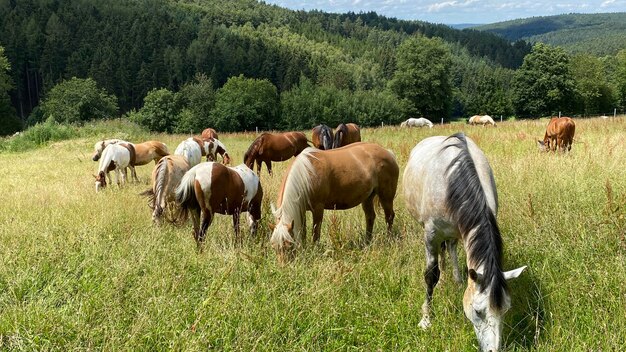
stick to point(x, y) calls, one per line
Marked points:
point(81, 270)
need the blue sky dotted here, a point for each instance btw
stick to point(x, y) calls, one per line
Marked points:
point(458, 11)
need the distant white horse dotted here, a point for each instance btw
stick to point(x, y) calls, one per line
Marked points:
point(481, 120)
point(450, 189)
point(193, 149)
point(114, 157)
point(421, 122)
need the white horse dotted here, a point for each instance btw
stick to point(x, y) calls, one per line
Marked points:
point(116, 157)
point(481, 120)
point(449, 188)
point(192, 149)
point(98, 148)
point(421, 122)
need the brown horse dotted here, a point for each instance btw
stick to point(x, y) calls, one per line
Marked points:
point(209, 188)
point(209, 133)
point(166, 177)
point(346, 134)
point(333, 179)
point(270, 147)
point(559, 134)
point(144, 153)
point(322, 137)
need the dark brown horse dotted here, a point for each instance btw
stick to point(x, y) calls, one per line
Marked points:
point(210, 188)
point(209, 133)
point(322, 137)
point(334, 179)
point(270, 147)
point(559, 134)
point(346, 134)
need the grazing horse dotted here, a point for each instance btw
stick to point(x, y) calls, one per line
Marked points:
point(116, 156)
point(346, 134)
point(481, 120)
point(193, 149)
point(166, 177)
point(322, 137)
point(209, 133)
point(210, 188)
point(421, 122)
point(333, 179)
point(449, 188)
point(270, 147)
point(216, 148)
point(144, 152)
point(559, 134)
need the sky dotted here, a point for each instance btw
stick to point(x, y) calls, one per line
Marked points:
point(457, 11)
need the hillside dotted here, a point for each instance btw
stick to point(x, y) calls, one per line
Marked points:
point(599, 34)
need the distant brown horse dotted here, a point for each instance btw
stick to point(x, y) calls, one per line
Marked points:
point(209, 133)
point(210, 188)
point(166, 177)
point(346, 134)
point(322, 137)
point(333, 179)
point(270, 147)
point(559, 134)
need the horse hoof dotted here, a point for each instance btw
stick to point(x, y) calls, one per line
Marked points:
point(424, 323)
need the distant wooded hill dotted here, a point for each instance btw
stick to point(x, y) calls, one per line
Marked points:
point(599, 34)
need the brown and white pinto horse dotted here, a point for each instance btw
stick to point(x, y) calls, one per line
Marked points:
point(270, 147)
point(144, 152)
point(209, 133)
point(216, 148)
point(559, 134)
point(346, 134)
point(322, 137)
point(115, 156)
point(166, 177)
point(210, 188)
point(333, 179)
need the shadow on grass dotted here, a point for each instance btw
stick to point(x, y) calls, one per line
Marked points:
point(526, 322)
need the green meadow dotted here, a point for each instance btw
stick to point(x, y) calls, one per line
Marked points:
point(87, 271)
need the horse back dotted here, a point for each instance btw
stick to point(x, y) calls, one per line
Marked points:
point(131, 151)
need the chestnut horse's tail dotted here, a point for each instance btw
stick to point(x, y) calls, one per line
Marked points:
point(185, 196)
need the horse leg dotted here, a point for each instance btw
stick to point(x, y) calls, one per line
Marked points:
point(258, 167)
point(124, 175)
point(390, 215)
point(207, 219)
point(318, 216)
point(370, 216)
point(431, 273)
point(269, 166)
point(454, 258)
point(133, 173)
point(236, 216)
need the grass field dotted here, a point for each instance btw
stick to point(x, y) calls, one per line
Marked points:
point(87, 271)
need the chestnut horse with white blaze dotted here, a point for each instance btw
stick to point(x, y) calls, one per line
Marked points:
point(322, 137)
point(144, 152)
point(346, 134)
point(270, 147)
point(559, 135)
point(210, 188)
point(209, 133)
point(166, 177)
point(116, 156)
point(450, 189)
point(335, 179)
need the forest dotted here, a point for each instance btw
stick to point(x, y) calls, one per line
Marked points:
point(178, 66)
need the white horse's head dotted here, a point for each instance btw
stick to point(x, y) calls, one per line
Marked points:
point(481, 310)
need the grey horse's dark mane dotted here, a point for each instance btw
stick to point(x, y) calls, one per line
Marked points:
point(326, 134)
point(468, 206)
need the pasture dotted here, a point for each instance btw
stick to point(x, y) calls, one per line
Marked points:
point(87, 271)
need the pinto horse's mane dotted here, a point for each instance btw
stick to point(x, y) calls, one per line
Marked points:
point(467, 203)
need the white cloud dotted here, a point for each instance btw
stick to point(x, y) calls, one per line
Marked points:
point(442, 5)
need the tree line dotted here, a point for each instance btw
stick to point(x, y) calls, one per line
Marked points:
point(181, 66)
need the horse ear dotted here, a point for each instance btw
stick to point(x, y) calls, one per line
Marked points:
point(476, 277)
point(94, 176)
point(512, 274)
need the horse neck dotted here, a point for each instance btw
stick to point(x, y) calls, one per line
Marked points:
point(108, 155)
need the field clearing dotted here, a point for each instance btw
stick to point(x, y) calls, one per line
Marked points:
point(87, 271)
